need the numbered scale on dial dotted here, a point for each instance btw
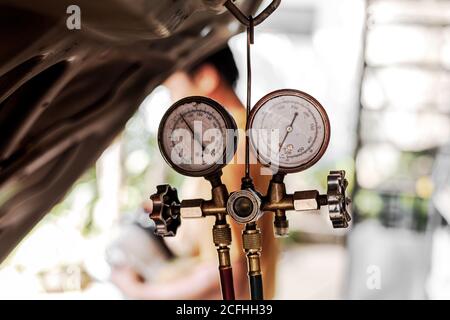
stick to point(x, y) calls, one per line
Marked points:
point(290, 130)
point(196, 136)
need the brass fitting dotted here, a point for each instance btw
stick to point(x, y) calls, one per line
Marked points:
point(280, 224)
point(251, 239)
point(222, 240)
point(278, 201)
point(222, 235)
point(252, 243)
point(244, 206)
point(224, 257)
point(199, 208)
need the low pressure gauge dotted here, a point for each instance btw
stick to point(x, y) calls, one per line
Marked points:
point(289, 130)
point(197, 136)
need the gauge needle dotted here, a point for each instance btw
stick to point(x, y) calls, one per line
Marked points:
point(192, 131)
point(288, 130)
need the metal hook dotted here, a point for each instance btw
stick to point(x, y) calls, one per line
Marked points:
point(257, 20)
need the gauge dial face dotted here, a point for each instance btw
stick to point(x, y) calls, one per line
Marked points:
point(290, 130)
point(195, 138)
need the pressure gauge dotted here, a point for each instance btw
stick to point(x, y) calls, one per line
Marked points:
point(197, 136)
point(289, 130)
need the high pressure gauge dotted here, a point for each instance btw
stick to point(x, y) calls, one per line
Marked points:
point(289, 130)
point(197, 136)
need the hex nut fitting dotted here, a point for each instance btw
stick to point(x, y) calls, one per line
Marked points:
point(222, 235)
point(306, 200)
point(254, 206)
point(191, 208)
point(252, 240)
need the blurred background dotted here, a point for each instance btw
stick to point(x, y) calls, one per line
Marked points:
point(381, 70)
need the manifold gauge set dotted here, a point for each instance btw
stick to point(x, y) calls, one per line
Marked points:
point(288, 131)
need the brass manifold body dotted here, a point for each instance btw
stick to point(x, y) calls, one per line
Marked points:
point(168, 210)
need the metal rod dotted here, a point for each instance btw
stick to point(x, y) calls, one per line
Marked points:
point(249, 96)
point(250, 23)
point(252, 241)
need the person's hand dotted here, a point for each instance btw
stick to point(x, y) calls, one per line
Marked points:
point(148, 206)
point(199, 283)
point(128, 281)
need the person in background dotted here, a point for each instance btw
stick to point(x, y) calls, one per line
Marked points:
point(214, 77)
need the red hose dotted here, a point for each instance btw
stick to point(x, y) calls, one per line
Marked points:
point(226, 282)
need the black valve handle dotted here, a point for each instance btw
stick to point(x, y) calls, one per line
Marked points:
point(166, 211)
